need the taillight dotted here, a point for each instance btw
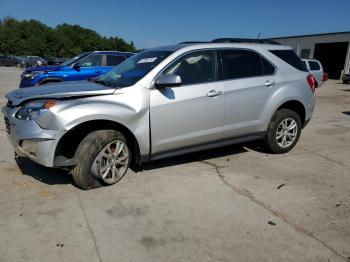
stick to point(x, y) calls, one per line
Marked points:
point(325, 77)
point(311, 81)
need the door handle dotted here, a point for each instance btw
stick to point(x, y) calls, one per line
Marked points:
point(269, 83)
point(98, 71)
point(214, 93)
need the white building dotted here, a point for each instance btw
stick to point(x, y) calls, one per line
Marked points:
point(332, 49)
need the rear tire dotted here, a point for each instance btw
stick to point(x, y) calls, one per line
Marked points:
point(283, 132)
point(92, 156)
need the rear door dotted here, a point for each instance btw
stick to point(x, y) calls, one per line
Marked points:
point(193, 113)
point(249, 80)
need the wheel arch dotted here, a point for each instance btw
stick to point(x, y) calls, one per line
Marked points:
point(295, 106)
point(67, 146)
point(50, 80)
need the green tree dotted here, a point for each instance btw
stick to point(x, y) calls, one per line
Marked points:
point(35, 38)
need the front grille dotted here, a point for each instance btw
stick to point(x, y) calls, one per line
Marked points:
point(7, 125)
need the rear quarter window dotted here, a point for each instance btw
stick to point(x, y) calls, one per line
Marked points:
point(290, 57)
point(314, 66)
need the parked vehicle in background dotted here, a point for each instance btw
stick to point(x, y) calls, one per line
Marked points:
point(64, 59)
point(315, 68)
point(81, 67)
point(163, 102)
point(346, 78)
point(12, 60)
point(35, 61)
point(54, 60)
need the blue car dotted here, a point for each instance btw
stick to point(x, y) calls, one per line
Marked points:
point(81, 67)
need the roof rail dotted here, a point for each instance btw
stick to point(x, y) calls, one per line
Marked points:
point(245, 40)
point(194, 42)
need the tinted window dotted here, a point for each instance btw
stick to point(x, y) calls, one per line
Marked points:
point(91, 60)
point(290, 57)
point(314, 66)
point(70, 61)
point(268, 68)
point(194, 68)
point(304, 63)
point(113, 60)
point(240, 63)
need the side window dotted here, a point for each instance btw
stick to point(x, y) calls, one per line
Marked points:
point(314, 66)
point(240, 64)
point(113, 60)
point(91, 60)
point(198, 67)
point(290, 57)
point(268, 69)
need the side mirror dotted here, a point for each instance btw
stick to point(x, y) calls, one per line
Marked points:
point(168, 81)
point(76, 66)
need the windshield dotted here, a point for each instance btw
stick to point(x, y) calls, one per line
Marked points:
point(70, 61)
point(133, 69)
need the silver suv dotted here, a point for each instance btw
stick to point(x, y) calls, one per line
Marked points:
point(164, 102)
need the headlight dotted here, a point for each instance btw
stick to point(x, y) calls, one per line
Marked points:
point(34, 109)
point(31, 75)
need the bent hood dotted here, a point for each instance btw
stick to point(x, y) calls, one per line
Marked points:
point(58, 90)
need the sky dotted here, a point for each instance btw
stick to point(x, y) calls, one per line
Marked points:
point(155, 23)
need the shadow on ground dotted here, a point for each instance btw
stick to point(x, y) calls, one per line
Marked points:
point(45, 175)
point(52, 176)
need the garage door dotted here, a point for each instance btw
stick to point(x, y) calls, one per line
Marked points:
point(332, 57)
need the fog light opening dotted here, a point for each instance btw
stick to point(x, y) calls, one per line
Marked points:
point(29, 146)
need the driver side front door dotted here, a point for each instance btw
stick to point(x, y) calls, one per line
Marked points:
point(90, 66)
point(191, 114)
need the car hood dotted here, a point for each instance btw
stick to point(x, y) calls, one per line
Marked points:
point(58, 90)
point(43, 68)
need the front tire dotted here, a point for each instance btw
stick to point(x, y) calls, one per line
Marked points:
point(103, 158)
point(283, 132)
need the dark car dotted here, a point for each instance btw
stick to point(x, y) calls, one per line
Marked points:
point(35, 60)
point(51, 60)
point(12, 60)
point(84, 66)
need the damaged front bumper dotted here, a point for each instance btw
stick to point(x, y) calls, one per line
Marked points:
point(31, 140)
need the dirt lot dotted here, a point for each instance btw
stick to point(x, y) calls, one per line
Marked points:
point(230, 204)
